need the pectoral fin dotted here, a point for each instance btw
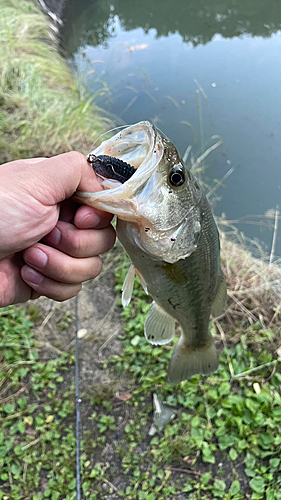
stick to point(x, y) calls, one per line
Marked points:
point(159, 326)
point(142, 282)
point(128, 286)
point(219, 302)
point(187, 361)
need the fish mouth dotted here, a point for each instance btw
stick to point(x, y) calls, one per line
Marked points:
point(140, 146)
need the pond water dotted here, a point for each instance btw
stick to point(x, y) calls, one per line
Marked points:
point(195, 68)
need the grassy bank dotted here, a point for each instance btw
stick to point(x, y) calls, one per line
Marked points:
point(42, 109)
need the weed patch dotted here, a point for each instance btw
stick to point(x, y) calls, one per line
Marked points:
point(37, 446)
point(223, 443)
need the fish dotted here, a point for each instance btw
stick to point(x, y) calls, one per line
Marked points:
point(167, 228)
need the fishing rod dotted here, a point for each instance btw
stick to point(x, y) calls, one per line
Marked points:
point(78, 401)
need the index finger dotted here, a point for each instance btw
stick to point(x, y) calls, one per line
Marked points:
point(89, 217)
point(55, 179)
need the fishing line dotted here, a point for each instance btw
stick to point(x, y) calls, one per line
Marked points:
point(78, 401)
point(162, 133)
point(108, 132)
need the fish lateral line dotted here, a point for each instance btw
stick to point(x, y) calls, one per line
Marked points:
point(111, 167)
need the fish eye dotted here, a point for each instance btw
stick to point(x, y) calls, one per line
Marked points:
point(177, 176)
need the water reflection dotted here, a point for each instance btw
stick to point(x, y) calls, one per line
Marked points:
point(196, 21)
point(149, 58)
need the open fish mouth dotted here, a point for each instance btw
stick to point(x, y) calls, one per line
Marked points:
point(140, 147)
point(160, 215)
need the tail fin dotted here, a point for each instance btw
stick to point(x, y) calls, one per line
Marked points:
point(187, 361)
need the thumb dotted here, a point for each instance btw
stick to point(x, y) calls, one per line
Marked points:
point(55, 179)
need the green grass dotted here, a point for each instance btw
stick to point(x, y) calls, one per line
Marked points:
point(34, 438)
point(43, 111)
point(224, 442)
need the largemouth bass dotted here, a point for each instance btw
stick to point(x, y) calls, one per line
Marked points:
point(167, 228)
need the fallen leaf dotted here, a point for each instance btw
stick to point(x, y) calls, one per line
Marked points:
point(123, 397)
point(81, 333)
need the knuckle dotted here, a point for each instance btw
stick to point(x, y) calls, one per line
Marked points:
point(77, 158)
point(109, 237)
point(72, 293)
point(76, 155)
point(64, 293)
point(77, 246)
point(97, 267)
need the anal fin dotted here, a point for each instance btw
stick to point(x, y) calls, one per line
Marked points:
point(159, 326)
point(187, 361)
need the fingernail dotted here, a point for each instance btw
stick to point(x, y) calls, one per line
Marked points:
point(90, 220)
point(53, 237)
point(31, 275)
point(36, 257)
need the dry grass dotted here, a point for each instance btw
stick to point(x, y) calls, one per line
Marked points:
point(254, 287)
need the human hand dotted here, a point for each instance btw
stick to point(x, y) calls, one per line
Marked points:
point(49, 244)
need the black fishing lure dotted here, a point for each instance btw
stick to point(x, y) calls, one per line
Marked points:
point(111, 168)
